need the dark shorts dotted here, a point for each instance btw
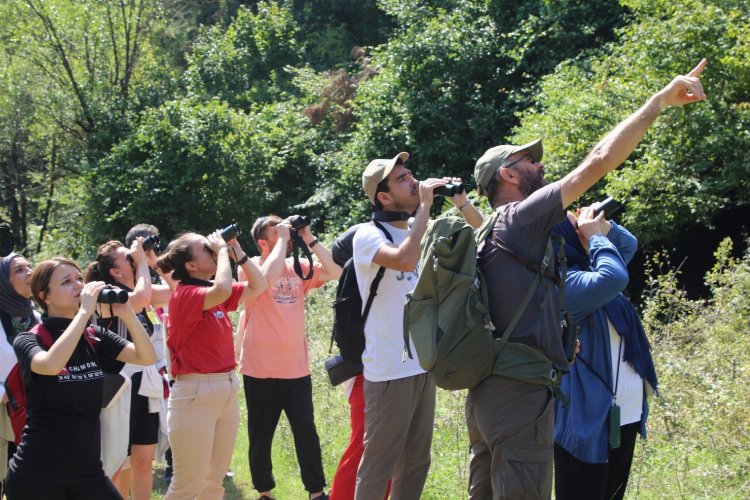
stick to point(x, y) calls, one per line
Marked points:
point(21, 487)
point(144, 426)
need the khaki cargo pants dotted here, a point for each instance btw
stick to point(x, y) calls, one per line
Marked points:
point(511, 430)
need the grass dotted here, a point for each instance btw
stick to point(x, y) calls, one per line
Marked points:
point(699, 427)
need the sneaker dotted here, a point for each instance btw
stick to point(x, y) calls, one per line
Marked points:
point(265, 497)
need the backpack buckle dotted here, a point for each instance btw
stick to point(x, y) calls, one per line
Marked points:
point(545, 263)
point(553, 375)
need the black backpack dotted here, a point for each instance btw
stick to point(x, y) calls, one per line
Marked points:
point(349, 318)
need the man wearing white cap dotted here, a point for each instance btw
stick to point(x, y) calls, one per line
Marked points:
point(510, 419)
point(399, 395)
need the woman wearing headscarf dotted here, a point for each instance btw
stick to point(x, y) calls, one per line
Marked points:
point(613, 372)
point(17, 315)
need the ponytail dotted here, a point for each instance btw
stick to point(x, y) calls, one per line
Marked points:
point(179, 252)
point(99, 270)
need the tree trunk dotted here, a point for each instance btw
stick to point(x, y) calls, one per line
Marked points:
point(50, 194)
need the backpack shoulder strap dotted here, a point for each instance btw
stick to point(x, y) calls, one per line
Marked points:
point(487, 226)
point(379, 276)
point(90, 335)
point(527, 263)
point(546, 261)
point(44, 335)
point(384, 230)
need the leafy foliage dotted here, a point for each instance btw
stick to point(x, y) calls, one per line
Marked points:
point(246, 63)
point(694, 162)
point(195, 165)
point(698, 442)
point(451, 78)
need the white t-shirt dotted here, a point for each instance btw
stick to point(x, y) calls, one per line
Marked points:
point(7, 361)
point(384, 328)
point(629, 390)
point(8, 357)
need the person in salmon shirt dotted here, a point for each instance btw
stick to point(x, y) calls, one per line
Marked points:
point(274, 357)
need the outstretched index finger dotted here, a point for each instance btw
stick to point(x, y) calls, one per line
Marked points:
point(698, 69)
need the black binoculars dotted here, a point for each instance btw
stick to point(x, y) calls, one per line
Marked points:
point(449, 190)
point(609, 206)
point(151, 242)
point(112, 296)
point(230, 232)
point(299, 221)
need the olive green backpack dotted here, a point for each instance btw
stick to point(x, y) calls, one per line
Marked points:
point(447, 315)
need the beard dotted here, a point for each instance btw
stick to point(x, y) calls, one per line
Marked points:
point(532, 181)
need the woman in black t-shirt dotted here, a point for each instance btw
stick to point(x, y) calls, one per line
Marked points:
point(59, 454)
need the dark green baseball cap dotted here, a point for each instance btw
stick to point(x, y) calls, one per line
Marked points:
point(493, 159)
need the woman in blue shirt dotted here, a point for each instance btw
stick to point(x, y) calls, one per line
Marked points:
point(613, 373)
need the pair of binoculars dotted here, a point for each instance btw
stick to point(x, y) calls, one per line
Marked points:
point(449, 190)
point(111, 295)
point(299, 221)
point(609, 206)
point(151, 242)
point(230, 232)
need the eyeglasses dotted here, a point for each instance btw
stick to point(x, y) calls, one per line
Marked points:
point(524, 157)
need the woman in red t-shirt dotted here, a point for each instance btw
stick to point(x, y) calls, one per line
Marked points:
point(203, 409)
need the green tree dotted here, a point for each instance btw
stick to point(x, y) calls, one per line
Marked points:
point(245, 64)
point(451, 79)
point(87, 54)
point(194, 165)
point(694, 162)
point(74, 73)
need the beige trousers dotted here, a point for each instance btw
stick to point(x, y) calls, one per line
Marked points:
point(202, 424)
point(399, 418)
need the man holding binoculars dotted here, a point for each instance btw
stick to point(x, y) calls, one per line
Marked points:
point(399, 395)
point(274, 358)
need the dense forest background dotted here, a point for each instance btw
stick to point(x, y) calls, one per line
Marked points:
point(194, 114)
point(191, 114)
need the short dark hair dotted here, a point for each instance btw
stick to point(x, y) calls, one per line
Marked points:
point(259, 227)
point(383, 187)
point(99, 269)
point(140, 230)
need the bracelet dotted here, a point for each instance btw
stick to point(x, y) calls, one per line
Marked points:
point(313, 243)
point(461, 208)
point(242, 260)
